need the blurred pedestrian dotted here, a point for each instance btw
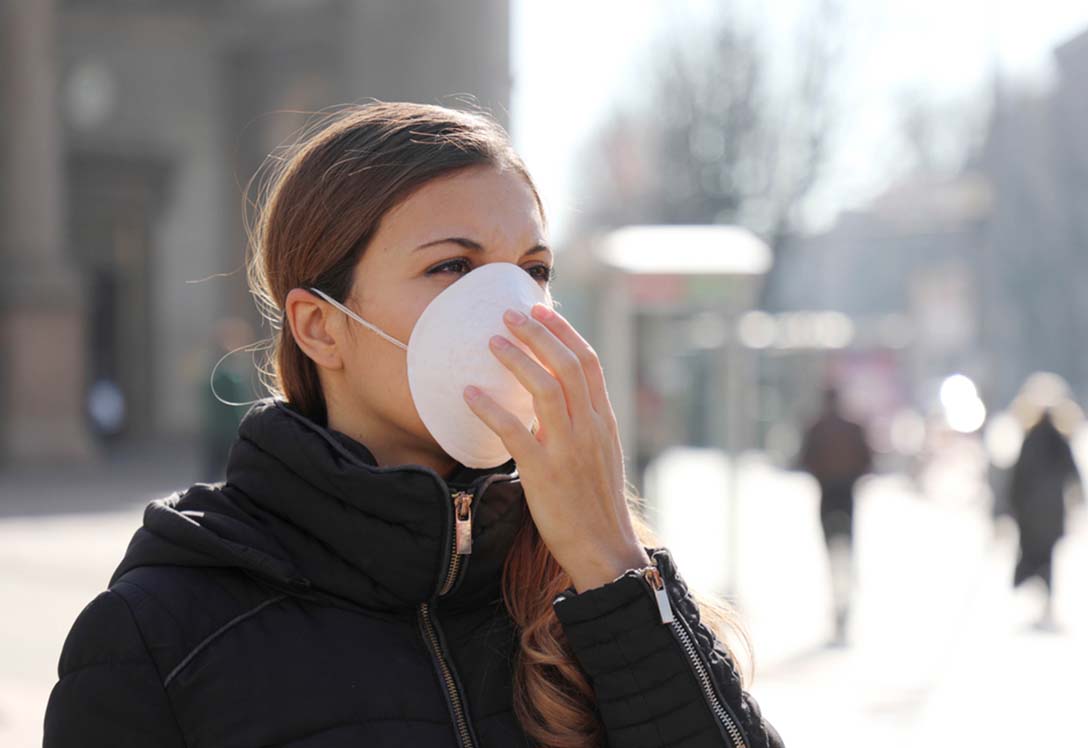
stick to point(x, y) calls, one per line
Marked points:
point(1037, 492)
point(837, 454)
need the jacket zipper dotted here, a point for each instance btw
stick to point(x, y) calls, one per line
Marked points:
point(652, 576)
point(461, 545)
point(456, 704)
point(462, 536)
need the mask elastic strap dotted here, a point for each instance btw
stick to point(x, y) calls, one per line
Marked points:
point(259, 346)
point(357, 318)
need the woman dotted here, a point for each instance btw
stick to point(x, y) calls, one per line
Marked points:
point(1040, 478)
point(351, 583)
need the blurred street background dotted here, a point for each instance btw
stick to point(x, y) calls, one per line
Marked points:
point(832, 253)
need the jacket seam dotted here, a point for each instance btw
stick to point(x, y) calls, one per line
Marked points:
point(654, 686)
point(102, 663)
point(150, 597)
point(216, 634)
point(147, 650)
point(643, 690)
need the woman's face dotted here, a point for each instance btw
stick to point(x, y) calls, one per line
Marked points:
point(448, 227)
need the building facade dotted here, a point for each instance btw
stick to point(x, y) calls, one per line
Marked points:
point(132, 130)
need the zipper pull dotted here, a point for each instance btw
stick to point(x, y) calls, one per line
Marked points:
point(661, 595)
point(462, 505)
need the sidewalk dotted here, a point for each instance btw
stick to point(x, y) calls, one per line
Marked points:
point(942, 651)
point(125, 477)
point(62, 533)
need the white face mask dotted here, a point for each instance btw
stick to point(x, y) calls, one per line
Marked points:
point(448, 350)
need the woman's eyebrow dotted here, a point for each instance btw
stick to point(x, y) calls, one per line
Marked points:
point(474, 245)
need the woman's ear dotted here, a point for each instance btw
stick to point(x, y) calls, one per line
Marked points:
point(316, 328)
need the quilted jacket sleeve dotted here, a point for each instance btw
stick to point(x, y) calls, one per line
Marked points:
point(110, 692)
point(659, 682)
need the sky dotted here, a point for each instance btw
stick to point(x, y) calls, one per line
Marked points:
point(575, 60)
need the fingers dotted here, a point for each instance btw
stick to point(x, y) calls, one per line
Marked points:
point(515, 437)
point(556, 356)
point(586, 355)
point(549, 401)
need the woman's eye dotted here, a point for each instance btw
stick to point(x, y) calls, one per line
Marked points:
point(547, 274)
point(451, 265)
point(539, 272)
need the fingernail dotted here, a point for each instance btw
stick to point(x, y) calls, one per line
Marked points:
point(543, 312)
point(514, 317)
point(471, 393)
point(499, 341)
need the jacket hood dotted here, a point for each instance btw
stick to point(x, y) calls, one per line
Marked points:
point(308, 508)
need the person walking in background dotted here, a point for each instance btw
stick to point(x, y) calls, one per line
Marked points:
point(1037, 499)
point(836, 452)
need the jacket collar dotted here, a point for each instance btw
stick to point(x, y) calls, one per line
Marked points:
point(317, 509)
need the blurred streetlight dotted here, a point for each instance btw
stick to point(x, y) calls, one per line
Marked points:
point(963, 408)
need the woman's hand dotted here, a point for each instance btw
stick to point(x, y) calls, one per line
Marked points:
point(572, 467)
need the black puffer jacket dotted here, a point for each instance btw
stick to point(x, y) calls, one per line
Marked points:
point(314, 599)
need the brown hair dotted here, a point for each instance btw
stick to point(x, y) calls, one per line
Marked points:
point(317, 211)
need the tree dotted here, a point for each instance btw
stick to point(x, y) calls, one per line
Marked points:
point(717, 141)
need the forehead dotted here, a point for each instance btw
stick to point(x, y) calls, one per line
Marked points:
point(482, 203)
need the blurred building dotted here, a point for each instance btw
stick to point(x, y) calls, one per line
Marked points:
point(981, 272)
point(130, 132)
point(1036, 156)
point(906, 271)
